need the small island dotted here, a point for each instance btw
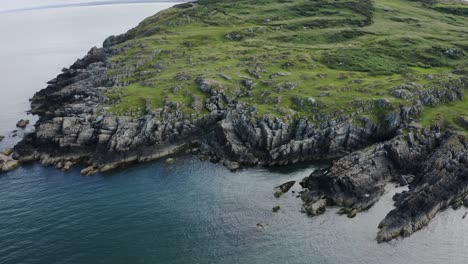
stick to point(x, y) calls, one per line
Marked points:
point(376, 87)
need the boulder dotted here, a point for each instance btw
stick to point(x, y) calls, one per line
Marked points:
point(22, 123)
point(276, 209)
point(406, 179)
point(232, 166)
point(283, 188)
point(316, 208)
point(7, 152)
point(9, 165)
point(352, 213)
point(67, 166)
point(88, 171)
point(463, 120)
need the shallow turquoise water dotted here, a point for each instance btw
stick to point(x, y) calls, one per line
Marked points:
point(189, 212)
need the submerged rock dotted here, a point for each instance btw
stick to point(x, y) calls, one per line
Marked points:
point(170, 161)
point(283, 188)
point(276, 209)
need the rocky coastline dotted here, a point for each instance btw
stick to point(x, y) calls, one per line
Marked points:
point(75, 128)
point(433, 164)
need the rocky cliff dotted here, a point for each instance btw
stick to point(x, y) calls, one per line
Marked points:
point(74, 127)
point(433, 164)
point(153, 92)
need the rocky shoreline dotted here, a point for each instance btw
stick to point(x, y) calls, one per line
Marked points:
point(433, 164)
point(75, 128)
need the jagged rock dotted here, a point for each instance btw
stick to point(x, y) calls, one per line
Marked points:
point(22, 123)
point(403, 94)
point(170, 161)
point(1, 138)
point(232, 166)
point(254, 74)
point(283, 188)
point(279, 74)
point(463, 120)
point(234, 36)
point(276, 209)
point(67, 166)
point(6, 164)
point(317, 208)
point(457, 204)
point(7, 152)
point(465, 201)
point(454, 53)
point(383, 102)
point(248, 83)
point(352, 213)
point(88, 171)
point(406, 179)
point(182, 76)
point(434, 166)
point(228, 78)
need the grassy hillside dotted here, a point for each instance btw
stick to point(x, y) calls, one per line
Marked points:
point(297, 58)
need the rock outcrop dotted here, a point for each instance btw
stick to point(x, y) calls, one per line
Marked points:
point(75, 127)
point(7, 164)
point(22, 123)
point(435, 166)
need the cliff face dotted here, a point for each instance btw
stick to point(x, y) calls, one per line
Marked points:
point(153, 92)
point(74, 127)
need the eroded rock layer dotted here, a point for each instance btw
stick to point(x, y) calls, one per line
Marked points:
point(435, 166)
point(75, 126)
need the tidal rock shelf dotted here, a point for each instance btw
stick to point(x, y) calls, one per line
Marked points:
point(435, 164)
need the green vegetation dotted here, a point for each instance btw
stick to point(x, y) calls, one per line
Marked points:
point(307, 58)
point(460, 8)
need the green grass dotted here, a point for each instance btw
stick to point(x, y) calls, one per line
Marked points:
point(447, 116)
point(341, 54)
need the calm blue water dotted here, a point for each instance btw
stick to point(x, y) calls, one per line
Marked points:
point(189, 212)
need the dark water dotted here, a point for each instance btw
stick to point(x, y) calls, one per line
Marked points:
point(189, 212)
point(195, 212)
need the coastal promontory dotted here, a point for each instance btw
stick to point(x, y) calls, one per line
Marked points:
point(377, 88)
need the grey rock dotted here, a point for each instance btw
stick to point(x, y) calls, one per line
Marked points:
point(22, 123)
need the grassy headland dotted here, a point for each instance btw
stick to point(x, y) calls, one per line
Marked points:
point(303, 58)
